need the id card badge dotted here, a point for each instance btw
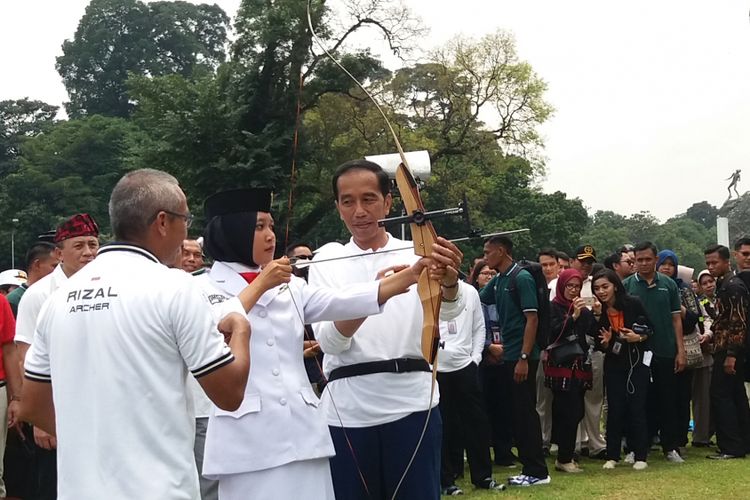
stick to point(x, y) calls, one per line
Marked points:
point(497, 338)
point(647, 356)
point(452, 328)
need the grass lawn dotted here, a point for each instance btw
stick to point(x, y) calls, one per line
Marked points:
point(698, 477)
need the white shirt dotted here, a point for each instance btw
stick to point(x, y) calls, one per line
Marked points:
point(32, 301)
point(280, 419)
point(377, 398)
point(116, 341)
point(463, 337)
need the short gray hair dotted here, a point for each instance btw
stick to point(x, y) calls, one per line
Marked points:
point(137, 198)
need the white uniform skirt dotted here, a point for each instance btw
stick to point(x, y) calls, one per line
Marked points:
point(305, 479)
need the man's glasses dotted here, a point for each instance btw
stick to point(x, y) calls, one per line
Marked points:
point(188, 217)
point(303, 257)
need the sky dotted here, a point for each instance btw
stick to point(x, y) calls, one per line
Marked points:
point(651, 97)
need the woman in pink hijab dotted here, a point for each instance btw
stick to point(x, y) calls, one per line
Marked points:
point(567, 370)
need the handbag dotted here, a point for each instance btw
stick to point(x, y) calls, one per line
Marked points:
point(693, 351)
point(565, 352)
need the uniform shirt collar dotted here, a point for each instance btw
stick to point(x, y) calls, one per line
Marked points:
point(128, 247)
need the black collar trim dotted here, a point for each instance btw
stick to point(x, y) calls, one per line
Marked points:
point(127, 247)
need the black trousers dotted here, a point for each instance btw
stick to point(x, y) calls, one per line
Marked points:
point(527, 432)
point(729, 407)
point(464, 417)
point(497, 400)
point(627, 399)
point(664, 414)
point(567, 412)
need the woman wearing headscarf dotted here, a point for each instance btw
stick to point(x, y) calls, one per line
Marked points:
point(702, 424)
point(567, 372)
point(277, 444)
point(692, 322)
point(624, 331)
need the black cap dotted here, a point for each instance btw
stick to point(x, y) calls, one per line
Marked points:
point(585, 252)
point(237, 201)
point(48, 236)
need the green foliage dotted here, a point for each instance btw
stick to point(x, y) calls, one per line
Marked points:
point(69, 169)
point(216, 124)
point(19, 120)
point(607, 231)
point(703, 213)
point(118, 37)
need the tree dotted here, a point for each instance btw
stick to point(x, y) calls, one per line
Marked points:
point(703, 213)
point(118, 37)
point(19, 120)
point(472, 86)
point(70, 168)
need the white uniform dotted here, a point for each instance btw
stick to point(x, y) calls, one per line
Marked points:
point(117, 340)
point(463, 337)
point(277, 444)
point(378, 398)
point(32, 301)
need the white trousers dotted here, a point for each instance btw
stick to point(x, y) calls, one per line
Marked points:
point(293, 481)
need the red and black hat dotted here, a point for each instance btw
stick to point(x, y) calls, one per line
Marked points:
point(78, 225)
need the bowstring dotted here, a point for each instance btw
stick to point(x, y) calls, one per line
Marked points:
point(433, 383)
point(403, 160)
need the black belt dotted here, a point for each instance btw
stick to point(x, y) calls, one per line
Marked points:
point(401, 365)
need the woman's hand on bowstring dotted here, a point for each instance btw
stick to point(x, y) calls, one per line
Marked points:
point(275, 273)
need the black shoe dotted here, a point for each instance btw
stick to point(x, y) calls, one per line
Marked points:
point(723, 456)
point(490, 484)
point(545, 451)
point(452, 491)
point(600, 455)
point(584, 452)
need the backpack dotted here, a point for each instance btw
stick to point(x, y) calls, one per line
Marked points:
point(542, 298)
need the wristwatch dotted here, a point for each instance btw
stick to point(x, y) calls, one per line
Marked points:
point(524, 356)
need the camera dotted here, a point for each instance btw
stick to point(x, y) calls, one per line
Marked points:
point(641, 329)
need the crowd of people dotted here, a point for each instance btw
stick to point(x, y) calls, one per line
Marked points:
point(635, 338)
point(203, 367)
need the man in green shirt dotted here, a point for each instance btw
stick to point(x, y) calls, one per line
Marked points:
point(661, 299)
point(518, 323)
point(41, 259)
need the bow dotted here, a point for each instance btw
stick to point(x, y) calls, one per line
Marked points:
point(423, 236)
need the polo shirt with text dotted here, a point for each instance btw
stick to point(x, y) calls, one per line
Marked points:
point(512, 318)
point(661, 299)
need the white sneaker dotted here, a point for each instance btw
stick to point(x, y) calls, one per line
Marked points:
point(609, 464)
point(524, 480)
point(674, 457)
point(630, 458)
point(640, 465)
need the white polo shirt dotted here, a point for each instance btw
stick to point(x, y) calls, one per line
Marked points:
point(463, 337)
point(377, 398)
point(32, 301)
point(116, 341)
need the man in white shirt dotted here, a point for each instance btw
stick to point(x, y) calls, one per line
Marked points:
point(77, 241)
point(464, 417)
point(547, 258)
point(379, 390)
point(117, 354)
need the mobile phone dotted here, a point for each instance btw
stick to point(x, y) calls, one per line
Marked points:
point(589, 301)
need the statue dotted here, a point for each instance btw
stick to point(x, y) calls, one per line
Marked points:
point(735, 178)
